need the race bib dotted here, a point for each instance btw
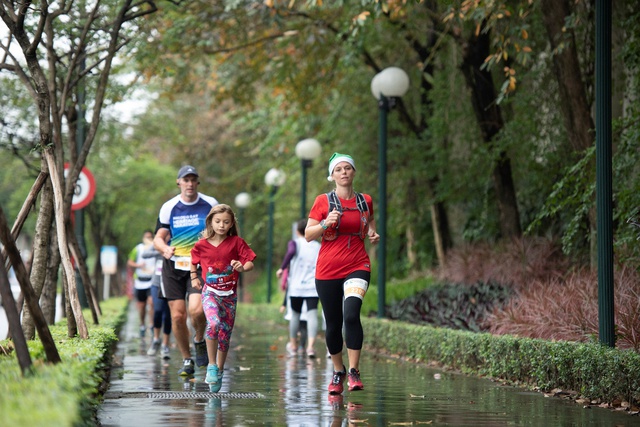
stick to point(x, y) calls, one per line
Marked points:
point(183, 263)
point(355, 288)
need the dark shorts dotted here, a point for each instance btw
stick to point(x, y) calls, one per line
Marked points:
point(142, 294)
point(176, 284)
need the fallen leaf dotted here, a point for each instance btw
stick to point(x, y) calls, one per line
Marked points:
point(416, 396)
point(242, 368)
point(424, 422)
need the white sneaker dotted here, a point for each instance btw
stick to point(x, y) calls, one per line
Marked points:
point(291, 350)
point(153, 350)
point(165, 352)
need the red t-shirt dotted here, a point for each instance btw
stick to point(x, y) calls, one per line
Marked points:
point(215, 261)
point(346, 254)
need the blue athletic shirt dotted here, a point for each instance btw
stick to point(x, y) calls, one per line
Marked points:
point(185, 221)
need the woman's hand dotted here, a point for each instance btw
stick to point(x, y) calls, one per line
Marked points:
point(374, 237)
point(332, 218)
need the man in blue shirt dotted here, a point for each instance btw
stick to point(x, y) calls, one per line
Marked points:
point(180, 222)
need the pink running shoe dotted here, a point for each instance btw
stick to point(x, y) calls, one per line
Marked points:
point(354, 380)
point(335, 386)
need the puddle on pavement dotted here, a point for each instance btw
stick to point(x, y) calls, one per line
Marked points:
point(292, 391)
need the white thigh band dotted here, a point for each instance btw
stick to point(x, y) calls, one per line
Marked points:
point(355, 288)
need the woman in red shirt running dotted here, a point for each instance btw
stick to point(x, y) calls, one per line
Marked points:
point(343, 270)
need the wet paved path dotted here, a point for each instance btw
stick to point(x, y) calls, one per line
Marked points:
point(262, 386)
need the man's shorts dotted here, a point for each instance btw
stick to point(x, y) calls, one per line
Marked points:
point(176, 284)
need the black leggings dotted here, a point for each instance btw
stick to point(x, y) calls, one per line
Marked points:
point(331, 293)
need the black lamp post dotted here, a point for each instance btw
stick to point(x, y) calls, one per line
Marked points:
point(306, 150)
point(386, 86)
point(242, 200)
point(274, 179)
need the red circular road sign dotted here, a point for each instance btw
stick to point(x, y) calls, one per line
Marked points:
point(84, 190)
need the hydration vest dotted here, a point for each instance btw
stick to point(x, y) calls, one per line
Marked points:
point(331, 233)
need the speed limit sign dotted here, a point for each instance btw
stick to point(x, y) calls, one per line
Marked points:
point(84, 189)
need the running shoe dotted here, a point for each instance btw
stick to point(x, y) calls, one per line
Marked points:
point(335, 386)
point(354, 381)
point(216, 386)
point(212, 374)
point(291, 350)
point(142, 331)
point(153, 350)
point(187, 368)
point(165, 352)
point(202, 358)
point(311, 354)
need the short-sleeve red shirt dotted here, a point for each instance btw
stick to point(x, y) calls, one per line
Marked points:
point(340, 257)
point(216, 261)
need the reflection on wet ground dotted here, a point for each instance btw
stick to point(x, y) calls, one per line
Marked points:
point(263, 386)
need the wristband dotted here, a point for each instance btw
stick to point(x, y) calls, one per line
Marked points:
point(323, 224)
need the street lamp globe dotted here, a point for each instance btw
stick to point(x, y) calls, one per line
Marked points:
point(243, 200)
point(274, 177)
point(391, 82)
point(308, 149)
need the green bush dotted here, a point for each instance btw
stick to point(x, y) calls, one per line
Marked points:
point(63, 394)
point(593, 370)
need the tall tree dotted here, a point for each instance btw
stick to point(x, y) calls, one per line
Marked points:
point(67, 49)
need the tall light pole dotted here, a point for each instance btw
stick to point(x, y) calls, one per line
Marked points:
point(306, 150)
point(604, 185)
point(386, 86)
point(274, 179)
point(242, 200)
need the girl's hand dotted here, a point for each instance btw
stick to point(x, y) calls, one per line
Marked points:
point(374, 237)
point(237, 266)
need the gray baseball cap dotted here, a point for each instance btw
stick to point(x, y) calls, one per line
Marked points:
point(187, 170)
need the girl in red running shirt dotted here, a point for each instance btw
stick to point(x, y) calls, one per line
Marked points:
point(222, 254)
point(343, 270)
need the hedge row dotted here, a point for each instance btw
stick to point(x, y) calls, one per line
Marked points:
point(594, 371)
point(67, 393)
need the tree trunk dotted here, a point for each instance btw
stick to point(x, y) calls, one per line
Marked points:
point(40, 254)
point(489, 117)
point(67, 268)
point(576, 111)
point(50, 288)
point(11, 310)
point(25, 287)
point(92, 298)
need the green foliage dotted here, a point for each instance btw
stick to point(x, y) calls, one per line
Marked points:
point(449, 305)
point(64, 394)
point(574, 193)
point(594, 371)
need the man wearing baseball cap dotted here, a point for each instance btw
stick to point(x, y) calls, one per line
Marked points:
point(180, 222)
